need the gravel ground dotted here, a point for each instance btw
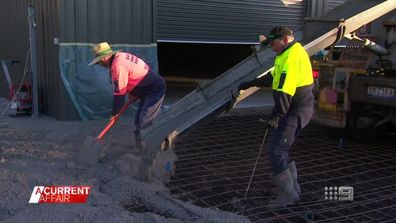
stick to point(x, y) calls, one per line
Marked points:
point(43, 152)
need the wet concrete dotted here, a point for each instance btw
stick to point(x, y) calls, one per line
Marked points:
point(43, 151)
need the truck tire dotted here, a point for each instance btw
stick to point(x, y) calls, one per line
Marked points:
point(361, 123)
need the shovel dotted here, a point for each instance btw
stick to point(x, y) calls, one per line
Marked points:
point(92, 147)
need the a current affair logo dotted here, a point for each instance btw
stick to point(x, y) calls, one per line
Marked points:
point(59, 194)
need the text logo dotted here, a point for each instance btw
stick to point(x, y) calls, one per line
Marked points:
point(343, 193)
point(59, 194)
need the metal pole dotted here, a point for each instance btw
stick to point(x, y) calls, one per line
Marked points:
point(255, 165)
point(33, 58)
point(7, 74)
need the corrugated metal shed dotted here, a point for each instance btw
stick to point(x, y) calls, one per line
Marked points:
point(317, 8)
point(334, 3)
point(14, 42)
point(115, 21)
point(223, 20)
point(82, 21)
point(15, 45)
point(128, 22)
point(53, 93)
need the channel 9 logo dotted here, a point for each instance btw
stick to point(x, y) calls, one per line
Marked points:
point(343, 193)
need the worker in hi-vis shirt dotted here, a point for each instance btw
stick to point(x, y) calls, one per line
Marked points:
point(131, 75)
point(292, 83)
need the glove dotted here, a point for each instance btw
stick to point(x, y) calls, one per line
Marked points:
point(245, 85)
point(273, 122)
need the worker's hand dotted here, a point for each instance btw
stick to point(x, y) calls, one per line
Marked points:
point(244, 85)
point(273, 122)
point(262, 38)
point(114, 118)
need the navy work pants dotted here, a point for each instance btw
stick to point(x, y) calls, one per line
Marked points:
point(151, 93)
point(283, 137)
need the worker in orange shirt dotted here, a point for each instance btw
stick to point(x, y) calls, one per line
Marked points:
point(131, 75)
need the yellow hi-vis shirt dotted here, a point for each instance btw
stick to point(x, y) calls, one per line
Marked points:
point(292, 69)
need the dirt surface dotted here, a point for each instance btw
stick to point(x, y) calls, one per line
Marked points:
point(43, 152)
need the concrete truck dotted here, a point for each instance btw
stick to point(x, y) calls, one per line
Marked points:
point(356, 81)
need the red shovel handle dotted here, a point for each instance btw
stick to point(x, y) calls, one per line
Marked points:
point(115, 118)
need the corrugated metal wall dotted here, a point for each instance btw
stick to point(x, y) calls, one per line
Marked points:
point(14, 35)
point(317, 8)
point(223, 20)
point(128, 21)
point(114, 21)
point(15, 44)
point(334, 3)
point(55, 96)
point(88, 21)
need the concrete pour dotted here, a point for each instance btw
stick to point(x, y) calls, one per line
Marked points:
point(43, 152)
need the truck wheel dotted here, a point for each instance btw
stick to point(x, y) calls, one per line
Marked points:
point(362, 128)
point(361, 125)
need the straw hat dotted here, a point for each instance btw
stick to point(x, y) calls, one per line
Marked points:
point(101, 50)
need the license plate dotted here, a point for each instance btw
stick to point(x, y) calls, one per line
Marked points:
point(383, 92)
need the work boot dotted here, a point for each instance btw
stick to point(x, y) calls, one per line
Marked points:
point(287, 194)
point(293, 172)
point(139, 143)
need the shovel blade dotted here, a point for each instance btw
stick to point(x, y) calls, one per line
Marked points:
point(91, 150)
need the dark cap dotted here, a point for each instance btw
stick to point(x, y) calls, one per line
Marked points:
point(275, 33)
